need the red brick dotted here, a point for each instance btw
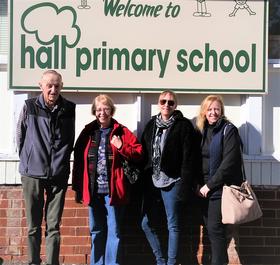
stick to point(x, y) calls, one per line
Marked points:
point(82, 231)
point(67, 230)
point(11, 231)
point(82, 249)
point(14, 222)
point(13, 194)
point(4, 204)
point(78, 259)
point(266, 194)
point(10, 250)
point(271, 204)
point(252, 241)
point(79, 240)
point(67, 250)
point(272, 241)
point(271, 222)
point(3, 213)
point(69, 212)
point(78, 221)
point(15, 213)
point(16, 241)
point(82, 212)
point(256, 243)
point(22, 258)
point(73, 204)
point(4, 241)
point(259, 250)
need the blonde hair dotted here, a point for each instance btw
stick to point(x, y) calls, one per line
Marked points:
point(106, 100)
point(163, 93)
point(201, 118)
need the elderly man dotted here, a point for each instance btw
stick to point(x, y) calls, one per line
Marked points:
point(45, 138)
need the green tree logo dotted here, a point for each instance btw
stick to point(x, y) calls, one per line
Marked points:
point(59, 29)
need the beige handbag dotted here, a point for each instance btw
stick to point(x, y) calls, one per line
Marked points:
point(240, 204)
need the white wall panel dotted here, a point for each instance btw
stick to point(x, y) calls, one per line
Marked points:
point(266, 173)
point(256, 173)
point(275, 172)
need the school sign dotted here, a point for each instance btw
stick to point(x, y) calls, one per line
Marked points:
point(141, 45)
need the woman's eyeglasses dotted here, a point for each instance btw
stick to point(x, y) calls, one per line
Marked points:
point(106, 110)
point(170, 103)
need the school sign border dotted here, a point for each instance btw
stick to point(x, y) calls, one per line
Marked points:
point(141, 46)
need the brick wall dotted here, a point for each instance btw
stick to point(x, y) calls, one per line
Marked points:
point(254, 243)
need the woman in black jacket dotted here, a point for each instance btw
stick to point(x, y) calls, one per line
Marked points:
point(221, 164)
point(167, 141)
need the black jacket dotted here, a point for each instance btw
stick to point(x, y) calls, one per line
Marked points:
point(177, 155)
point(225, 160)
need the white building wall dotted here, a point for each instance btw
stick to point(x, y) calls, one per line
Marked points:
point(256, 116)
point(6, 116)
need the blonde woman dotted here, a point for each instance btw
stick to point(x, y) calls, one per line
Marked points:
point(221, 164)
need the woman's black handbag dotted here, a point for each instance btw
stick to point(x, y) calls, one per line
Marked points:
point(131, 171)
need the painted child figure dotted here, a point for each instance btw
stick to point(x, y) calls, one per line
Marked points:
point(241, 4)
point(201, 9)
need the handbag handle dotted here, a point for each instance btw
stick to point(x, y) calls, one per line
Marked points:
point(241, 154)
point(242, 166)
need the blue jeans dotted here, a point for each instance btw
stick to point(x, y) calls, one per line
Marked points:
point(172, 205)
point(104, 224)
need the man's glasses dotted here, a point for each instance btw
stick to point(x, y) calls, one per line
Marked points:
point(170, 103)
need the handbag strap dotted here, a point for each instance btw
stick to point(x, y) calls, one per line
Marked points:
point(241, 154)
point(242, 166)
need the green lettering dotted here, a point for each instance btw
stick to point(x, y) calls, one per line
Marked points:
point(254, 57)
point(195, 53)
point(140, 53)
point(63, 51)
point(242, 68)
point(104, 55)
point(96, 53)
point(26, 50)
point(56, 51)
point(210, 54)
point(183, 62)
point(47, 51)
point(119, 54)
point(224, 67)
point(163, 61)
point(119, 10)
point(110, 7)
point(138, 10)
point(115, 8)
point(82, 53)
point(152, 54)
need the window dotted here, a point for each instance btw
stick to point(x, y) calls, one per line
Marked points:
point(274, 29)
point(3, 34)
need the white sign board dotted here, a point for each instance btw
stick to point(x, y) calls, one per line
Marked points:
point(141, 45)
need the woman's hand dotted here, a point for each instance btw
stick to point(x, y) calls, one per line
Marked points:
point(204, 191)
point(116, 141)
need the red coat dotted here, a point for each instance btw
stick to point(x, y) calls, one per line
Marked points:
point(119, 186)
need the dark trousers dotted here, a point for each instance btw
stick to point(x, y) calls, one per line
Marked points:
point(40, 195)
point(216, 231)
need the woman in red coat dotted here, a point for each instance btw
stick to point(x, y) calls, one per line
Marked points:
point(99, 180)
